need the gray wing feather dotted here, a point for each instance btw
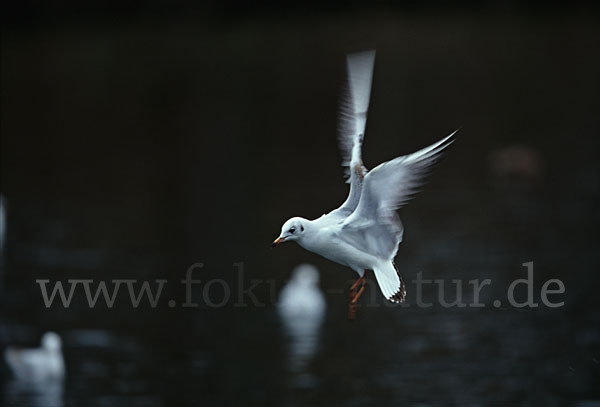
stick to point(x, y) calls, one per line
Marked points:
point(355, 106)
point(374, 224)
point(353, 121)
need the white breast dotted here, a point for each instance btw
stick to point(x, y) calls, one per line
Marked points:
point(326, 243)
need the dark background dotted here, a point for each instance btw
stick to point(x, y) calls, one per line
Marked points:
point(139, 139)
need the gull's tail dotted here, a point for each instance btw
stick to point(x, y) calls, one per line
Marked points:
point(390, 282)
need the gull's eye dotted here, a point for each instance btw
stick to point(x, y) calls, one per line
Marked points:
point(292, 230)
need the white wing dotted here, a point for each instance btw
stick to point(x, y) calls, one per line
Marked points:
point(355, 106)
point(374, 226)
point(353, 121)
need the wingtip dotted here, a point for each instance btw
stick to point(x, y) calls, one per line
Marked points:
point(451, 137)
point(444, 143)
point(433, 150)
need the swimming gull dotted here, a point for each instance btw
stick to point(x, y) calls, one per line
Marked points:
point(38, 364)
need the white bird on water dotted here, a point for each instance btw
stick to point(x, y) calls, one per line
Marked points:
point(38, 364)
point(302, 296)
point(364, 233)
point(302, 310)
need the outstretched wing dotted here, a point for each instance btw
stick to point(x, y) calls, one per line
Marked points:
point(353, 120)
point(374, 225)
point(354, 108)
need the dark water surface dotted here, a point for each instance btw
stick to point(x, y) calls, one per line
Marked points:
point(134, 149)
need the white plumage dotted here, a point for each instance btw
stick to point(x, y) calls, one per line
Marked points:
point(301, 308)
point(38, 364)
point(301, 296)
point(365, 231)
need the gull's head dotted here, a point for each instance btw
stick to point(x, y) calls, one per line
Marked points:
point(51, 341)
point(306, 275)
point(293, 229)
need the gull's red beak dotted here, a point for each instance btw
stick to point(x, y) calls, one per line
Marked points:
point(278, 241)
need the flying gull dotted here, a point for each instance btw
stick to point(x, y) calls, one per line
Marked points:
point(365, 231)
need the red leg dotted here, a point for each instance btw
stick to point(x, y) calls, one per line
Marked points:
point(359, 281)
point(354, 296)
point(357, 296)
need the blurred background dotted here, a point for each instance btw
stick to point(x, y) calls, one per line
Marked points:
point(139, 138)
